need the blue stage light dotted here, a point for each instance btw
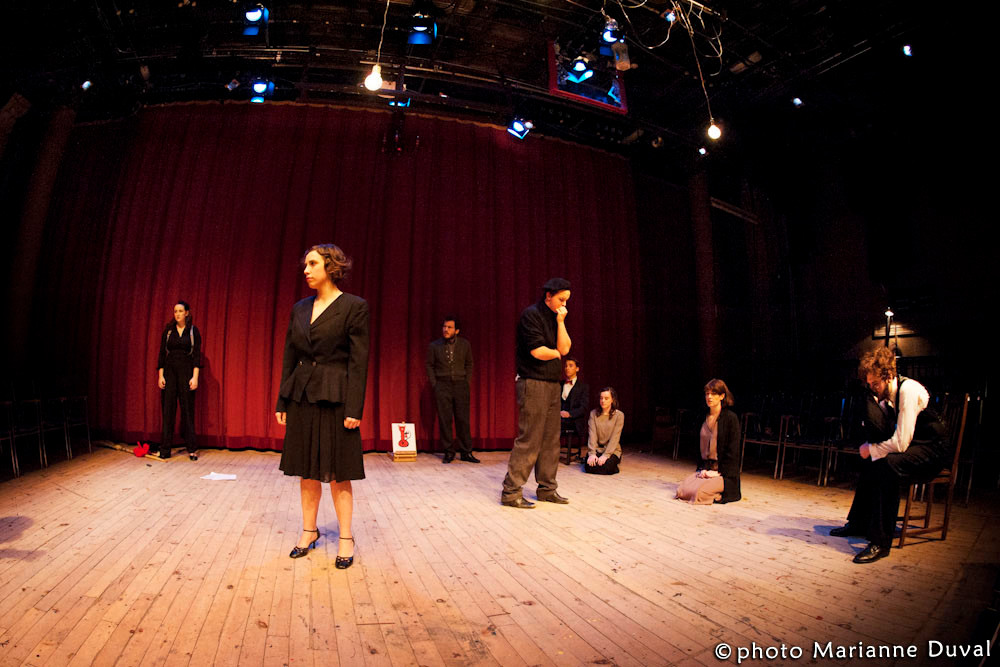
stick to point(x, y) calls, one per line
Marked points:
point(257, 99)
point(86, 84)
point(520, 128)
point(612, 33)
point(797, 101)
point(260, 87)
point(580, 70)
point(907, 50)
point(256, 17)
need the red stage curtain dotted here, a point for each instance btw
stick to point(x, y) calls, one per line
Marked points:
point(214, 204)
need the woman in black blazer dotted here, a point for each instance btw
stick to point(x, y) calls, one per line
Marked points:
point(178, 367)
point(322, 396)
point(717, 478)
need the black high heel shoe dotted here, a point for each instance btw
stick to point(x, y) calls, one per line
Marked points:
point(299, 552)
point(193, 457)
point(344, 562)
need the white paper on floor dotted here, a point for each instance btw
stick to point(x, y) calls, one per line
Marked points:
point(219, 475)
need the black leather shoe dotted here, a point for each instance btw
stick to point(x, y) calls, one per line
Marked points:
point(469, 458)
point(448, 457)
point(344, 562)
point(871, 553)
point(164, 452)
point(299, 552)
point(554, 498)
point(847, 530)
point(519, 503)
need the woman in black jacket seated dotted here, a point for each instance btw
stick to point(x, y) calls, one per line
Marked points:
point(717, 478)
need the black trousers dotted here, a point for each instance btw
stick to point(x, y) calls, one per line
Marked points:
point(177, 374)
point(452, 397)
point(876, 499)
point(610, 466)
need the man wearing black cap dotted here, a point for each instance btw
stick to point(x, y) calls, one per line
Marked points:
point(542, 341)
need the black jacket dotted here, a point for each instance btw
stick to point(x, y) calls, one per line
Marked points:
point(328, 359)
point(576, 405)
point(727, 447)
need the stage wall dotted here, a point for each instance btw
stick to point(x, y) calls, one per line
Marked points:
point(215, 204)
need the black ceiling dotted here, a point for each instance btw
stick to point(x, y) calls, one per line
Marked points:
point(488, 61)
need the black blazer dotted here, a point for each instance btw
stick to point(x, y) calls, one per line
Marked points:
point(727, 447)
point(328, 359)
point(576, 405)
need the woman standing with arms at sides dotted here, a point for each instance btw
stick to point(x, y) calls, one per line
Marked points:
point(322, 395)
point(717, 479)
point(179, 365)
point(604, 426)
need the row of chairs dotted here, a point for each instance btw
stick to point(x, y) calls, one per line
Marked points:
point(33, 419)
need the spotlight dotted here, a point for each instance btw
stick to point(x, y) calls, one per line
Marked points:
point(86, 85)
point(423, 27)
point(888, 312)
point(797, 101)
point(612, 33)
point(702, 151)
point(580, 70)
point(257, 99)
point(520, 128)
point(255, 17)
point(669, 16)
point(713, 131)
point(907, 50)
point(233, 85)
point(260, 87)
point(400, 103)
point(374, 80)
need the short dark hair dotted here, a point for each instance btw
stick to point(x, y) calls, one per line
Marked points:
point(574, 360)
point(716, 386)
point(451, 318)
point(335, 262)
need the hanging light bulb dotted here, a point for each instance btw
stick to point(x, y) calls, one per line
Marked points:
point(714, 132)
point(374, 80)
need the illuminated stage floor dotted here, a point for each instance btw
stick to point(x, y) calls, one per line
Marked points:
point(110, 559)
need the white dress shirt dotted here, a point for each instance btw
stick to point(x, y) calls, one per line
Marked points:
point(908, 402)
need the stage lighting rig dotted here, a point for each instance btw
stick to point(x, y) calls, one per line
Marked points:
point(423, 27)
point(255, 20)
point(520, 127)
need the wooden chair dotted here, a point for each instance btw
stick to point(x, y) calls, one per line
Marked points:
point(954, 418)
point(7, 434)
point(570, 441)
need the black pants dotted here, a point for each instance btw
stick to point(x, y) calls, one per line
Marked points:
point(610, 466)
point(177, 374)
point(452, 397)
point(876, 499)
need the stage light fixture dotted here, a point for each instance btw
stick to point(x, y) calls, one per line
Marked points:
point(580, 70)
point(86, 85)
point(670, 16)
point(374, 80)
point(257, 99)
point(400, 103)
point(255, 17)
point(714, 132)
point(612, 33)
point(233, 85)
point(907, 50)
point(520, 127)
point(260, 86)
point(797, 101)
point(702, 151)
point(423, 27)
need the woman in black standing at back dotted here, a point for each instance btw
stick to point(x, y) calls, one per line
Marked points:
point(179, 366)
point(322, 395)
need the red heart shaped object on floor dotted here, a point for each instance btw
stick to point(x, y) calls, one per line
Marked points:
point(141, 449)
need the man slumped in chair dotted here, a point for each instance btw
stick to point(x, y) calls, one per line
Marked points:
point(914, 448)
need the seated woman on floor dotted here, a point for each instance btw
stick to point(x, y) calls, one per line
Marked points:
point(717, 478)
point(604, 451)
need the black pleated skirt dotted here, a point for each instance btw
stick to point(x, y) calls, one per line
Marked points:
point(317, 446)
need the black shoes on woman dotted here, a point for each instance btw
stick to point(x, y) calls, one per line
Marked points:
point(299, 552)
point(344, 562)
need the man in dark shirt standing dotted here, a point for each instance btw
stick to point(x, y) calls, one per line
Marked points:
point(542, 341)
point(449, 366)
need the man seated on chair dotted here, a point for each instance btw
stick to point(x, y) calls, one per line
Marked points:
point(575, 400)
point(915, 449)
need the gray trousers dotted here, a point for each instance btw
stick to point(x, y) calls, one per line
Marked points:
point(537, 444)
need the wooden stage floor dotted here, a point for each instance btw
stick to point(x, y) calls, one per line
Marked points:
point(108, 559)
